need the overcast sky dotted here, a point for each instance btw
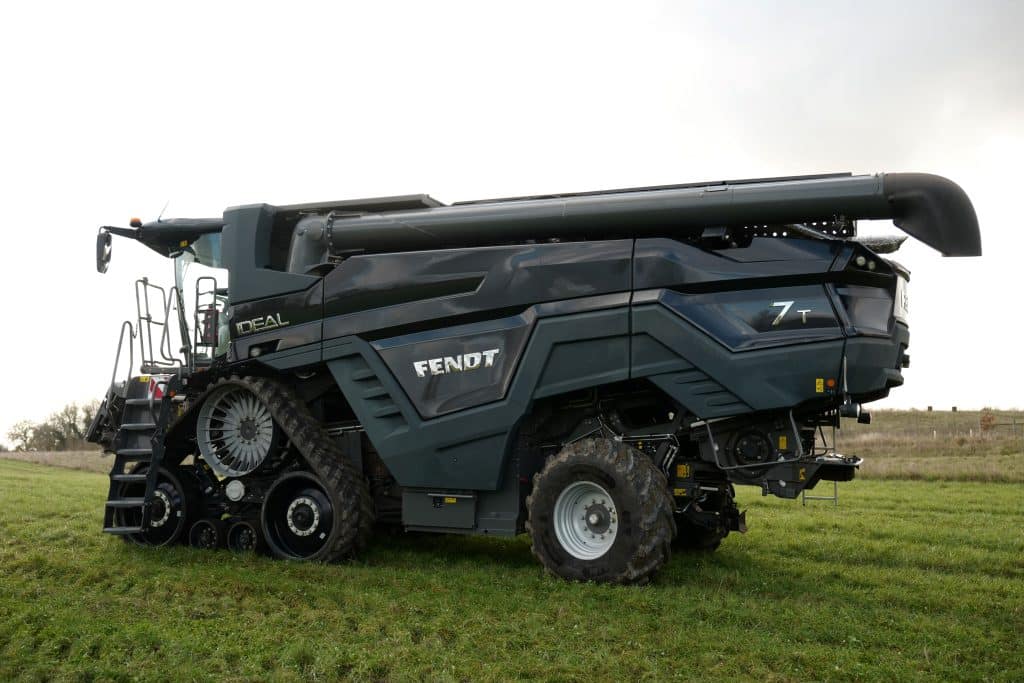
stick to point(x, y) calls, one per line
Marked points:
point(111, 110)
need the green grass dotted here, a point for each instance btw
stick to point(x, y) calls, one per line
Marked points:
point(905, 580)
point(938, 445)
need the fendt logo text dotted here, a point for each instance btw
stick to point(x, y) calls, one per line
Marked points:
point(450, 364)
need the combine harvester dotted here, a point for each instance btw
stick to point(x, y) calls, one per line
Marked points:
point(596, 370)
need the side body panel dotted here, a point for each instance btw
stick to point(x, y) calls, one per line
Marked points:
point(442, 353)
point(739, 330)
point(467, 449)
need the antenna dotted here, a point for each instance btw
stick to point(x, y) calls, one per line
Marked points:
point(162, 210)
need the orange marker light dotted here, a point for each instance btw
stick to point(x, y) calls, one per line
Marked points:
point(831, 383)
point(135, 222)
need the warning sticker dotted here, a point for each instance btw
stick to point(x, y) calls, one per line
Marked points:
point(819, 385)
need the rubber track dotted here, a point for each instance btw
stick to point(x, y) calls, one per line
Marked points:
point(656, 522)
point(325, 457)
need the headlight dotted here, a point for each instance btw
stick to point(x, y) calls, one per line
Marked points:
point(870, 308)
point(901, 306)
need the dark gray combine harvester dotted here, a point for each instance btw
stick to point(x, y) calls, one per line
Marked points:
point(595, 369)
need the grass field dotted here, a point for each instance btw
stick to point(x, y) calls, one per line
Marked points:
point(938, 446)
point(905, 580)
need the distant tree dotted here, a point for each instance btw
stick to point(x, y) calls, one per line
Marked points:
point(68, 421)
point(47, 437)
point(987, 420)
point(4, 448)
point(86, 415)
point(21, 435)
point(63, 430)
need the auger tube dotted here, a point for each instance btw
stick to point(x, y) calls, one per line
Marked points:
point(930, 208)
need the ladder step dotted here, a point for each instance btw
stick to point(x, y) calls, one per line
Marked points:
point(122, 530)
point(139, 402)
point(135, 453)
point(126, 503)
point(360, 375)
point(138, 426)
point(128, 477)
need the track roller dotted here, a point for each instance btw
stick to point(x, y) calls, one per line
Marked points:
point(205, 535)
point(244, 537)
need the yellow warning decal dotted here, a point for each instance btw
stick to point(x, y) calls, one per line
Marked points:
point(783, 443)
point(803, 474)
point(679, 493)
point(183, 243)
point(448, 500)
point(819, 385)
point(144, 379)
point(683, 471)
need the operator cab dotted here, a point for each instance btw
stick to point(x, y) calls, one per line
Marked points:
point(199, 296)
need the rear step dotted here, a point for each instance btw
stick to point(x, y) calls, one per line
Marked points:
point(126, 503)
point(135, 453)
point(122, 530)
point(128, 477)
point(138, 426)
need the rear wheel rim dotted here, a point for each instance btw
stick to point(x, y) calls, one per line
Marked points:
point(586, 520)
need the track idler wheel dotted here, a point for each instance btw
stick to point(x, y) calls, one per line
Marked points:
point(205, 535)
point(244, 537)
point(174, 499)
point(303, 519)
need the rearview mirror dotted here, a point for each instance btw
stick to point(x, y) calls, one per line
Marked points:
point(103, 250)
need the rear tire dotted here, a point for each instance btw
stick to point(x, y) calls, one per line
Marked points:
point(601, 511)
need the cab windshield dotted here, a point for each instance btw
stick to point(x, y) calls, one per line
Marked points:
point(202, 281)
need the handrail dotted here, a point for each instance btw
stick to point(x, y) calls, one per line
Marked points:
point(197, 335)
point(165, 341)
point(146, 321)
point(131, 352)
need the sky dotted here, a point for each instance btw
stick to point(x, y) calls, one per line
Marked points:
point(113, 110)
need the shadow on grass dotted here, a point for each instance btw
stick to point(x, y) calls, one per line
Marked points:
point(424, 546)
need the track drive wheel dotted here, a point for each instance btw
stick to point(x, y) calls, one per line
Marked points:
point(304, 518)
point(174, 501)
point(601, 511)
